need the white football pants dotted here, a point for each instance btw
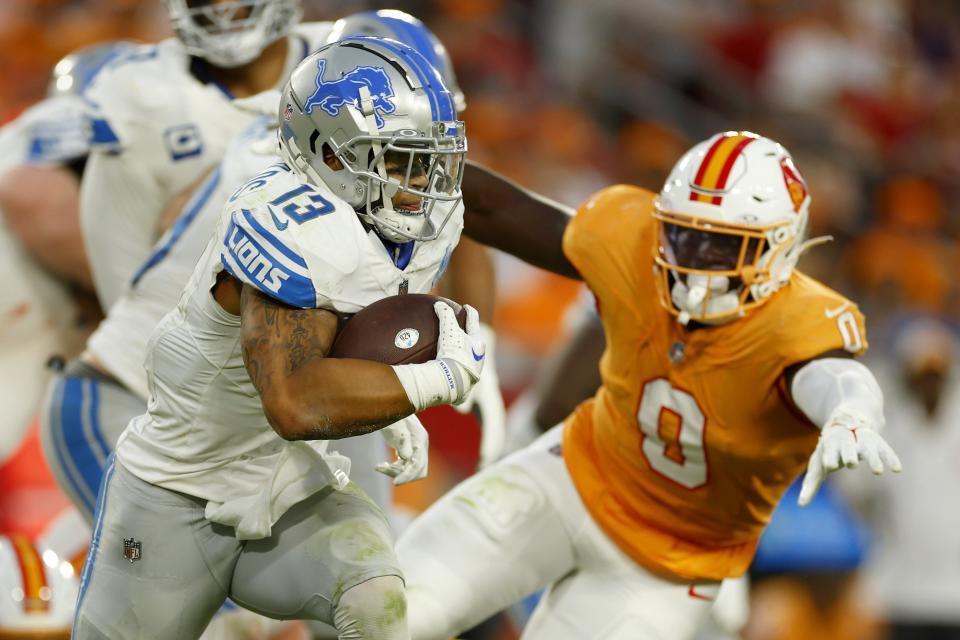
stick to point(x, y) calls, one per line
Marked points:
point(519, 526)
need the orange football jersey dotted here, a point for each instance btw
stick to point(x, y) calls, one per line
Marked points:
point(685, 450)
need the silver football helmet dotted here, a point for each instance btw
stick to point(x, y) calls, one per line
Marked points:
point(360, 112)
point(403, 27)
point(231, 33)
point(76, 70)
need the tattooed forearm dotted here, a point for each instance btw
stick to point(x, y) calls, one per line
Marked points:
point(277, 339)
point(322, 430)
point(303, 341)
point(258, 374)
point(304, 394)
point(255, 338)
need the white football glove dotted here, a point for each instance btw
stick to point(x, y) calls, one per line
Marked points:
point(463, 351)
point(486, 402)
point(844, 441)
point(412, 444)
point(460, 356)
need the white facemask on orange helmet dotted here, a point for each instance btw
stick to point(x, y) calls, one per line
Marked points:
point(731, 222)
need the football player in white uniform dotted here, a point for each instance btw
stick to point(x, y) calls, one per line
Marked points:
point(42, 156)
point(164, 115)
point(166, 112)
point(226, 487)
point(119, 344)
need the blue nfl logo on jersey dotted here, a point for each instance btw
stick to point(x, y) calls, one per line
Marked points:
point(131, 549)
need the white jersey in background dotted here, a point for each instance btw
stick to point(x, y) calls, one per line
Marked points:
point(160, 123)
point(37, 314)
point(120, 342)
point(205, 433)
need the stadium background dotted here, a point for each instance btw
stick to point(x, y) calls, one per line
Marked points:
point(569, 95)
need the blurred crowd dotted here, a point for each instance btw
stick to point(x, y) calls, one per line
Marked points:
point(567, 96)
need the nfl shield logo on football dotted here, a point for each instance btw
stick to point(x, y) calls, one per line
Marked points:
point(288, 112)
point(131, 549)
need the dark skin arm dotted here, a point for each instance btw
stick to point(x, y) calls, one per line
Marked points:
point(571, 375)
point(503, 215)
point(470, 279)
point(307, 396)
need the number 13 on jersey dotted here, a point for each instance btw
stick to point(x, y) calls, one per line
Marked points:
point(673, 429)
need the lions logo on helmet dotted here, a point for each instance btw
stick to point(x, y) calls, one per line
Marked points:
point(347, 89)
point(732, 217)
point(385, 105)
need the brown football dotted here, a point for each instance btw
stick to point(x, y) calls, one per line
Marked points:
point(401, 329)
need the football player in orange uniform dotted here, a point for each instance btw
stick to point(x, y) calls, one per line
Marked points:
point(726, 371)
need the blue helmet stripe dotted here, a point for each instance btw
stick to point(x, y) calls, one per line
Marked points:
point(414, 35)
point(441, 104)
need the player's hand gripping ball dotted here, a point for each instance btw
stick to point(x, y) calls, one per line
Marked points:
point(401, 329)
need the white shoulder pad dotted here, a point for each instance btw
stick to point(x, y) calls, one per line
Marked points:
point(289, 239)
point(258, 252)
point(51, 132)
point(131, 89)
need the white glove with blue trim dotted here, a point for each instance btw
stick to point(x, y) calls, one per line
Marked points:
point(460, 357)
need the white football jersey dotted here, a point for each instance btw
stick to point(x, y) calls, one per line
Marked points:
point(37, 315)
point(158, 125)
point(120, 342)
point(205, 433)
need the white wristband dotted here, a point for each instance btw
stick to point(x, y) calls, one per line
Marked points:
point(431, 383)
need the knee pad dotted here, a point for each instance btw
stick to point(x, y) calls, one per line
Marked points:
point(376, 608)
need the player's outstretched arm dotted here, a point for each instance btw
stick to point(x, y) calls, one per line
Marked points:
point(571, 375)
point(501, 214)
point(841, 396)
point(305, 395)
